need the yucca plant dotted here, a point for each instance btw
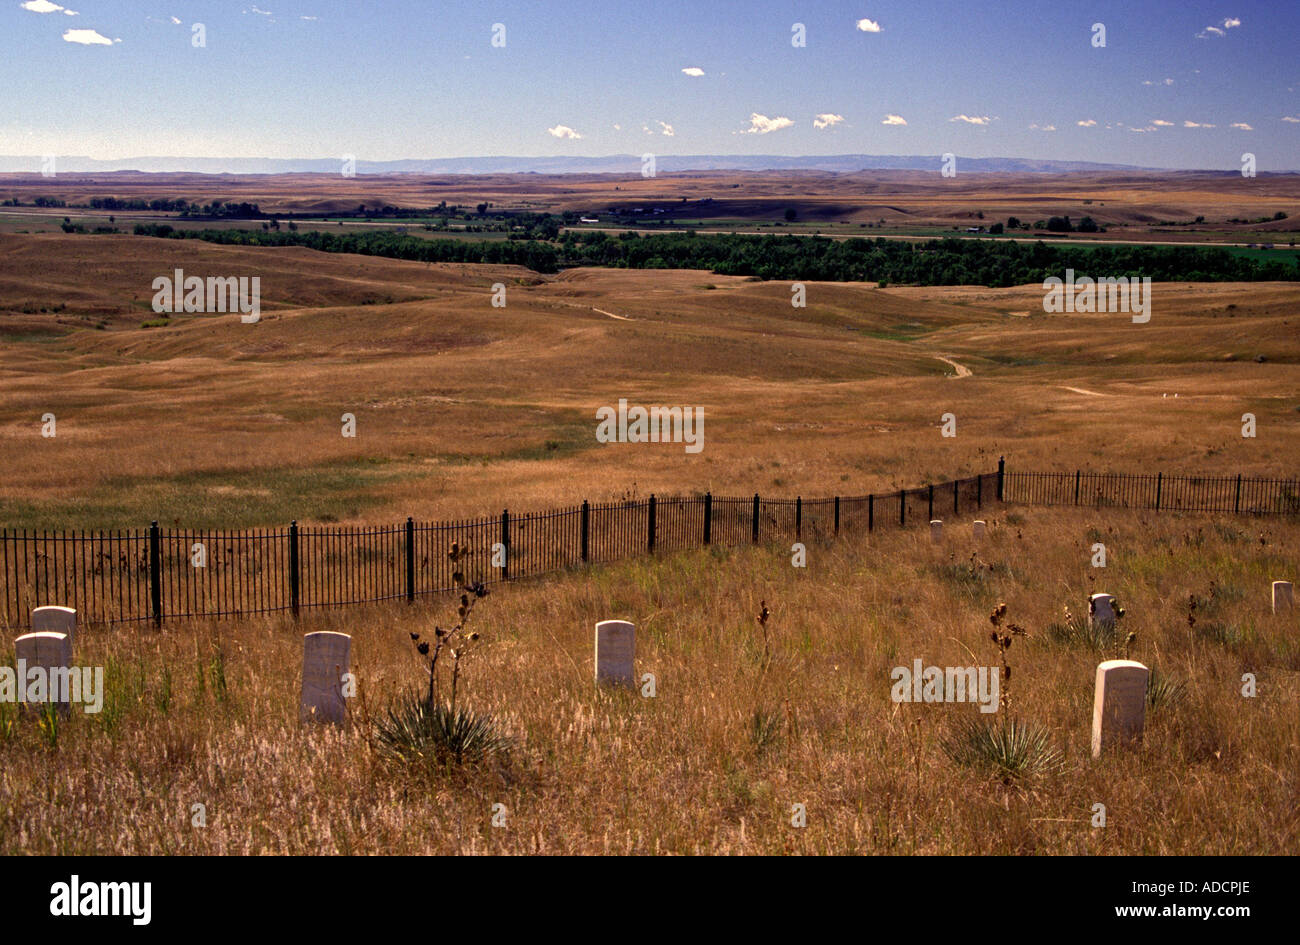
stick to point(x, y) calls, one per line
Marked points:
point(1163, 691)
point(423, 727)
point(1001, 637)
point(458, 639)
point(1099, 636)
point(1011, 748)
point(764, 729)
point(414, 730)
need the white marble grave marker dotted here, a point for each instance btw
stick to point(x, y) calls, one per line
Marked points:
point(615, 647)
point(56, 619)
point(52, 653)
point(1283, 596)
point(1119, 705)
point(936, 529)
point(1101, 610)
point(979, 527)
point(324, 662)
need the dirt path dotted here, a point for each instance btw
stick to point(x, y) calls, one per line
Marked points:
point(961, 369)
point(1080, 390)
point(621, 318)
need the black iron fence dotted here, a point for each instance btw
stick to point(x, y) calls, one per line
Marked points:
point(1157, 491)
point(160, 573)
point(169, 573)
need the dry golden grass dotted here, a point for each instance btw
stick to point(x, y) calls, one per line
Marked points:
point(607, 772)
point(464, 409)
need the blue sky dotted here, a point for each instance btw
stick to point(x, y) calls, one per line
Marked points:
point(392, 79)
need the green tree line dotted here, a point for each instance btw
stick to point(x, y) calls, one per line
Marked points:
point(934, 262)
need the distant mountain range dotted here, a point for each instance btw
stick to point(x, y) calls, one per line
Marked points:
point(611, 164)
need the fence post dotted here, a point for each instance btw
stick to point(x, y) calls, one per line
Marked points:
point(756, 518)
point(650, 541)
point(1077, 475)
point(410, 560)
point(871, 512)
point(586, 529)
point(1236, 505)
point(1002, 475)
point(1160, 481)
point(837, 515)
point(902, 507)
point(293, 568)
point(979, 491)
point(930, 517)
point(155, 574)
point(505, 543)
point(956, 491)
point(708, 517)
point(798, 518)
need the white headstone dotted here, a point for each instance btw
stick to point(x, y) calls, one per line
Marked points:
point(979, 527)
point(1119, 705)
point(324, 662)
point(615, 648)
point(1283, 596)
point(1101, 610)
point(57, 619)
point(936, 529)
point(50, 651)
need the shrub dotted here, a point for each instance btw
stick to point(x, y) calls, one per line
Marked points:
point(414, 730)
point(1008, 747)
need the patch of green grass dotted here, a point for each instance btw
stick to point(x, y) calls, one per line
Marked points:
point(1012, 360)
point(906, 331)
point(212, 499)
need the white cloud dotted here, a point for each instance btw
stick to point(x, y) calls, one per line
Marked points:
point(44, 6)
point(827, 120)
point(563, 131)
point(1165, 81)
point(972, 119)
point(1038, 127)
point(1242, 126)
point(1192, 124)
point(1228, 23)
point(1161, 123)
point(894, 120)
point(1087, 123)
point(665, 129)
point(87, 38)
point(693, 71)
point(176, 20)
point(868, 26)
point(618, 127)
point(761, 124)
point(1292, 119)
